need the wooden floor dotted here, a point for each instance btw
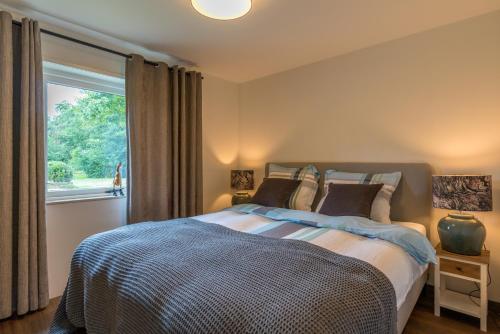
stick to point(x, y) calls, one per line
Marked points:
point(36, 323)
point(421, 321)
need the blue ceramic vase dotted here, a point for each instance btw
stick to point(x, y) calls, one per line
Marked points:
point(461, 234)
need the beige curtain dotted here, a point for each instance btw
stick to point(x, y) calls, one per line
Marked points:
point(23, 254)
point(165, 149)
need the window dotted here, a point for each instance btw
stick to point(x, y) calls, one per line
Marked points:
point(86, 131)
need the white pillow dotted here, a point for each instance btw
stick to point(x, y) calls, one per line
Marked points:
point(381, 206)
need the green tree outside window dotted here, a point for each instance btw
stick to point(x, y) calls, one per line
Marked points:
point(89, 137)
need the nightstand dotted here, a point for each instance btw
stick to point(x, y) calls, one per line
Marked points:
point(470, 268)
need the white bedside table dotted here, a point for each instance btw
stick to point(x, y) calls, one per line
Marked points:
point(471, 268)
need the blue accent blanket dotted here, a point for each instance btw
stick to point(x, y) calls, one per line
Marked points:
point(186, 276)
point(410, 240)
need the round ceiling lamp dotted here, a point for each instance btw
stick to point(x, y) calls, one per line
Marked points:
point(222, 9)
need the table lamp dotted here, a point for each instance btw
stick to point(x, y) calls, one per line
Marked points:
point(241, 180)
point(461, 232)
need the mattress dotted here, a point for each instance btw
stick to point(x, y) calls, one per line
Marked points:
point(400, 268)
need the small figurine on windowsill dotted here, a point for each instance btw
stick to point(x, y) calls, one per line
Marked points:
point(117, 181)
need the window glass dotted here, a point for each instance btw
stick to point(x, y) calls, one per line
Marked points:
point(86, 139)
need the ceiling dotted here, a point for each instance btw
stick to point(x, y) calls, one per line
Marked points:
point(275, 36)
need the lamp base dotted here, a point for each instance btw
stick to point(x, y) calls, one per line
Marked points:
point(461, 234)
point(241, 198)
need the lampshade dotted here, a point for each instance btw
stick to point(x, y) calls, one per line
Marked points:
point(242, 179)
point(462, 192)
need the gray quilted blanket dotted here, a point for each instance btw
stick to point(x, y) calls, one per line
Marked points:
point(185, 276)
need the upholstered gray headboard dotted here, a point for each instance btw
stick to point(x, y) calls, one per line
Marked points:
point(412, 200)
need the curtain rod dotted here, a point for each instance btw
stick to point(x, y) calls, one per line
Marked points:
point(78, 41)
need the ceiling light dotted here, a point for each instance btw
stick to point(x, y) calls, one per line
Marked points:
point(222, 9)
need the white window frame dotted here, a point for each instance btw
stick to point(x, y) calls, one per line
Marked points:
point(59, 74)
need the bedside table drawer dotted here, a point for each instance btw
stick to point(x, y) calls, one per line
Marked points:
point(456, 268)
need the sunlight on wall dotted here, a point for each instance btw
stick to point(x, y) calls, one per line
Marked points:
point(256, 152)
point(459, 143)
point(223, 154)
point(217, 177)
point(218, 161)
point(220, 141)
point(221, 202)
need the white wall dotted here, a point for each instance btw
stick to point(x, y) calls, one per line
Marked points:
point(68, 224)
point(431, 97)
point(220, 141)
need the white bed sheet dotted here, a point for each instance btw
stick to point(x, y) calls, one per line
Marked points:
point(400, 267)
point(416, 226)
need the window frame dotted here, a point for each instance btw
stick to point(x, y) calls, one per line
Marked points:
point(69, 76)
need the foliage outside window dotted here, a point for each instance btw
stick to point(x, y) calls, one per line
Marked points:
point(59, 171)
point(86, 139)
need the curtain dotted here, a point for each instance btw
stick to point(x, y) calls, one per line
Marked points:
point(23, 253)
point(165, 149)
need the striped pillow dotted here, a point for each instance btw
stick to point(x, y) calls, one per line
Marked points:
point(381, 206)
point(303, 197)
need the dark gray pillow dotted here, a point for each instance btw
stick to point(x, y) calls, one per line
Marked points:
point(350, 199)
point(275, 192)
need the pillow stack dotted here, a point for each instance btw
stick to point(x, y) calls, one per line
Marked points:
point(349, 199)
point(275, 192)
point(381, 206)
point(303, 197)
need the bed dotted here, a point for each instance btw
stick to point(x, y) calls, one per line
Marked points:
point(411, 203)
point(231, 271)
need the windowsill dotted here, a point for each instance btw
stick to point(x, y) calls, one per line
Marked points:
point(80, 198)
